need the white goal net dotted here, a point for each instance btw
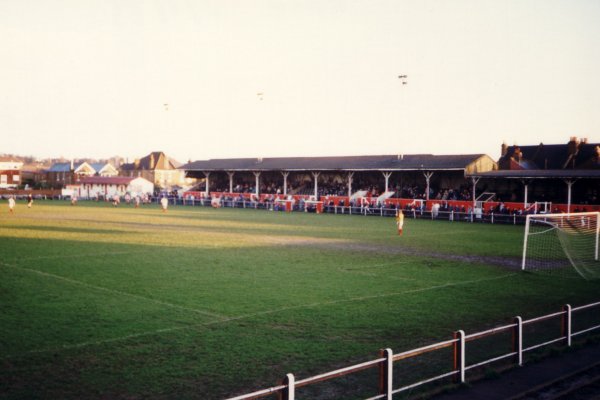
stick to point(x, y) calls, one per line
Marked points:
point(562, 244)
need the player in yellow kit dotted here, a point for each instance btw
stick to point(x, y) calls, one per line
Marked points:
point(400, 221)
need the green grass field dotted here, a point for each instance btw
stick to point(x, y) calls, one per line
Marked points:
point(103, 302)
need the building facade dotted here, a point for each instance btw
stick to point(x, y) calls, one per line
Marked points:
point(103, 187)
point(10, 173)
point(158, 168)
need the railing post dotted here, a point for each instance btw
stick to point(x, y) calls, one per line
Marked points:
point(459, 356)
point(518, 340)
point(386, 369)
point(566, 324)
point(289, 393)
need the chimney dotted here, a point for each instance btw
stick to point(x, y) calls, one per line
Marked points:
point(517, 155)
point(573, 146)
point(584, 140)
point(503, 149)
point(151, 160)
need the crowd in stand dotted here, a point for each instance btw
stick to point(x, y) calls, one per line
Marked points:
point(333, 187)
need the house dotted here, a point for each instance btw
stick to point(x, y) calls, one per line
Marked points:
point(158, 168)
point(67, 173)
point(104, 169)
point(10, 173)
point(108, 186)
point(575, 155)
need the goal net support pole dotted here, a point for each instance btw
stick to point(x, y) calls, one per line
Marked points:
point(597, 242)
point(525, 243)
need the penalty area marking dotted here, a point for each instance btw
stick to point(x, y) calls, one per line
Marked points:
point(246, 316)
point(362, 298)
point(119, 292)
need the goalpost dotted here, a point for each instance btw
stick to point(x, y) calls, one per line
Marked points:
point(556, 243)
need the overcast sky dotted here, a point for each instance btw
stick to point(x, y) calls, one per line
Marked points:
point(219, 79)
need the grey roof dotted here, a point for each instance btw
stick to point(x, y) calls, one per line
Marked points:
point(409, 162)
point(540, 174)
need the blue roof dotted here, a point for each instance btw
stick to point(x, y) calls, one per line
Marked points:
point(63, 167)
point(60, 167)
point(97, 166)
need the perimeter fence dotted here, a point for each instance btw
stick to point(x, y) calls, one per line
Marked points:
point(472, 216)
point(443, 363)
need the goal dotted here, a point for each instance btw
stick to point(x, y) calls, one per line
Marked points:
point(562, 244)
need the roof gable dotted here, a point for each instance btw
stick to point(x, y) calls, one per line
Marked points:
point(156, 160)
point(84, 168)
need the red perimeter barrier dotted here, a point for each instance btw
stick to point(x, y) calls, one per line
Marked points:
point(403, 203)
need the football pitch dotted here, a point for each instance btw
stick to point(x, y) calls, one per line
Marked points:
point(104, 302)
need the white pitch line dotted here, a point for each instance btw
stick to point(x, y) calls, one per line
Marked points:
point(380, 265)
point(437, 233)
point(377, 296)
point(80, 255)
point(374, 275)
point(136, 296)
point(266, 312)
point(111, 340)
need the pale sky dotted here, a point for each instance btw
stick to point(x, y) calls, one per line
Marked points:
point(247, 78)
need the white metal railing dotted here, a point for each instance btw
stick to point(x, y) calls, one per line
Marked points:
point(287, 389)
point(415, 213)
point(455, 214)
